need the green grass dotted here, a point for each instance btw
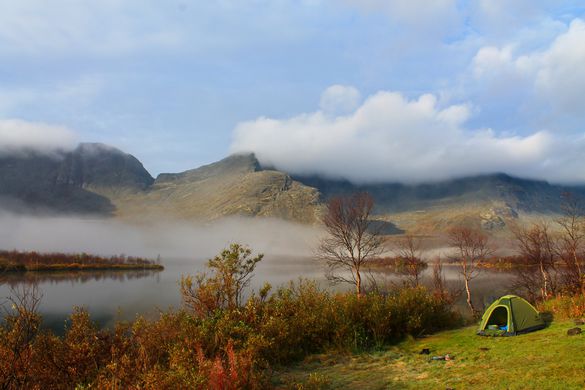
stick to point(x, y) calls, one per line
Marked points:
point(546, 359)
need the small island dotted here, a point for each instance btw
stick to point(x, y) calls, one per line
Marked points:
point(17, 261)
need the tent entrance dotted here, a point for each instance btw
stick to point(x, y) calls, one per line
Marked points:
point(499, 317)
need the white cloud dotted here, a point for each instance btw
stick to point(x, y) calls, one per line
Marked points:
point(71, 93)
point(107, 27)
point(391, 138)
point(489, 58)
point(18, 136)
point(560, 71)
point(423, 15)
point(414, 9)
point(481, 21)
point(127, 28)
point(339, 99)
point(553, 76)
point(500, 17)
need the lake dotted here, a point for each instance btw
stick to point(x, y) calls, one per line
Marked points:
point(116, 295)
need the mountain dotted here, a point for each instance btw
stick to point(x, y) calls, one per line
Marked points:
point(104, 169)
point(98, 179)
point(491, 201)
point(101, 180)
point(79, 181)
point(235, 185)
point(519, 194)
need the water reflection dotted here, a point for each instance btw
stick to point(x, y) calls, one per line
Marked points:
point(122, 295)
point(14, 279)
point(489, 285)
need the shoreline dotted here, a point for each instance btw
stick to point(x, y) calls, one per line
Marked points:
point(22, 262)
point(20, 268)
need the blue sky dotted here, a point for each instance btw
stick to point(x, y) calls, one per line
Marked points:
point(365, 89)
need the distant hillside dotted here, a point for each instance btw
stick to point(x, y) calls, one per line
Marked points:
point(490, 201)
point(519, 194)
point(104, 169)
point(233, 186)
point(98, 179)
point(79, 181)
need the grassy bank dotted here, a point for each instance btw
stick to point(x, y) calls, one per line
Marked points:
point(547, 359)
point(15, 261)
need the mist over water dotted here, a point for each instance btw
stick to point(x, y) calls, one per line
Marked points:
point(176, 239)
point(184, 248)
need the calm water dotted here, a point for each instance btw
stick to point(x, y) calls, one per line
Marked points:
point(111, 296)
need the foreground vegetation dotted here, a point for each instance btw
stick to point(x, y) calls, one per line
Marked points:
point(218, 341)
point(228, 349)
point(546, 359)
point(221, 341)
point(15, 261)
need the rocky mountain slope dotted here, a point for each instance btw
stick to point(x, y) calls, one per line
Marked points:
point(490, 201)
point(98, 179)
point(518, 194)
point(233, 186)
point(79, 181)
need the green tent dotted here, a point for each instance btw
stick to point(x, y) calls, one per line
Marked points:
point(508, 316)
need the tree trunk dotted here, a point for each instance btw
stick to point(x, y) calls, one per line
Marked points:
point(468, 291)
point(545, 282)
point(580, 277)
point(358, 283)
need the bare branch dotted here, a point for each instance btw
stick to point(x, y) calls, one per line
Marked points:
point(352, 241)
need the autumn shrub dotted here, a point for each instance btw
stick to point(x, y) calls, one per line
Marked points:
point(231, 272)
point(19, 340)
point(375, 320)
point(301, 319)
point(296, 320)
point(230, 349)
point(227, 344)
point(565, 306)
point(36, 259)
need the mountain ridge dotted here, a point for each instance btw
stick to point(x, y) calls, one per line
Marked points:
point(99, 179)
point(521, 194)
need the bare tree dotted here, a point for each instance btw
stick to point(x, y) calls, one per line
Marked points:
point(571, 243)
point(471, 247)
point(409, 248)
point(352, 240)
point(537, 248)
point(439, 282)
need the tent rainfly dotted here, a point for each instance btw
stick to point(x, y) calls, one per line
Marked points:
point(509, 316)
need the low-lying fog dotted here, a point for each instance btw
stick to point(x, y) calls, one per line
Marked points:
point(164, 238)
point(183, 247)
